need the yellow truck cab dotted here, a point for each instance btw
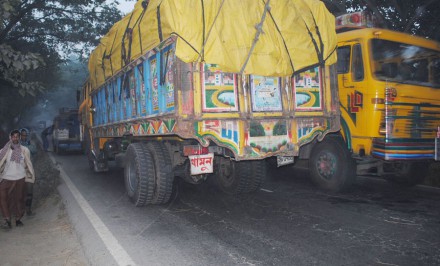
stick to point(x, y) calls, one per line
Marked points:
point(389, 89)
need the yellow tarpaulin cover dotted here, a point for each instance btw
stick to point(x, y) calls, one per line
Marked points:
point(262, 37)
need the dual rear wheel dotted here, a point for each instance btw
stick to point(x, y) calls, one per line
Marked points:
point(149, 176)
point(148, 173)
point(234, 177)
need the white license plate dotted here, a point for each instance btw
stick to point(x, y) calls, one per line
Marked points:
point(202, 164)
point(62, 134)
point(283, 160)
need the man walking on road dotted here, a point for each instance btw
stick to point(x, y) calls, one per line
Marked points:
point(15, 169)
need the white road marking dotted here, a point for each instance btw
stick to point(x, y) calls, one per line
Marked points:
point(118, 252)
point(266, 190)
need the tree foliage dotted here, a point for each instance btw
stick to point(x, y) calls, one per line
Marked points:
point(36, 35)
point(421, 17)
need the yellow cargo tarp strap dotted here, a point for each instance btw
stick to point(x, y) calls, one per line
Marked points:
point(163, 68)
point(259, 28)
point(159, 27)
point(205, 38)
point(144, 6)
point(102, 64)
point(125, 58)
point(318, 53)
point(108, 57)
point(159, 30)
point(129, 30)
point(321, 44)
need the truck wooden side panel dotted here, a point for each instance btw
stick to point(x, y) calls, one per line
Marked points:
point(252, 116)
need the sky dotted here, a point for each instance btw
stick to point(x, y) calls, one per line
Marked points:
point(126, 6)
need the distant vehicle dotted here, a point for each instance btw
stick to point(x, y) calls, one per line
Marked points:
point(66, 134)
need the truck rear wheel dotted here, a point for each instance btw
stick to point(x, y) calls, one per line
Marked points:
point(258, 174)
point(139, 174)
point(331, 166)
point(234, 177)
point(163, 172)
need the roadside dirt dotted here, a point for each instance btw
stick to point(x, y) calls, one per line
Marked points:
point(47, 238)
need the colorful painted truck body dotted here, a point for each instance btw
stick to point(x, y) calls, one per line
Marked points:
point(163, 117)
point(390, 99)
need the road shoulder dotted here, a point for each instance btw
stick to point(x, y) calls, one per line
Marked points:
point(45, 239)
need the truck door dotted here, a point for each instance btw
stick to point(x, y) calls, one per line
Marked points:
point(352, 90)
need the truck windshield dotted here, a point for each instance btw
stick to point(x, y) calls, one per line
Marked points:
point(405, 63)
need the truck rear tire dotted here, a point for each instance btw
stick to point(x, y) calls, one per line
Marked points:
point(331, 166)
point(234, 177)
point(139, 174)
point(163, 172)
point(258, 174)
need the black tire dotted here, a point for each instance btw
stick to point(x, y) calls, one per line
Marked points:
point(331, 166)
point(409, 174)
point(234, 177)
point(163, 171)
point(258, 173)
point(139, 175)
point(272, 163)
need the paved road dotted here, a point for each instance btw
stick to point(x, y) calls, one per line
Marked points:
point(289, 222)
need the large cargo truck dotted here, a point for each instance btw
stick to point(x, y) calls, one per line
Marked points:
point(390, 99)
point(209, 89)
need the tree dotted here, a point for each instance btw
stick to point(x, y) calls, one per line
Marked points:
point(36, 35)
point(421, 17)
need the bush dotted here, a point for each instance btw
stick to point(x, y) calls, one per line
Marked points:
point(46, 174)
